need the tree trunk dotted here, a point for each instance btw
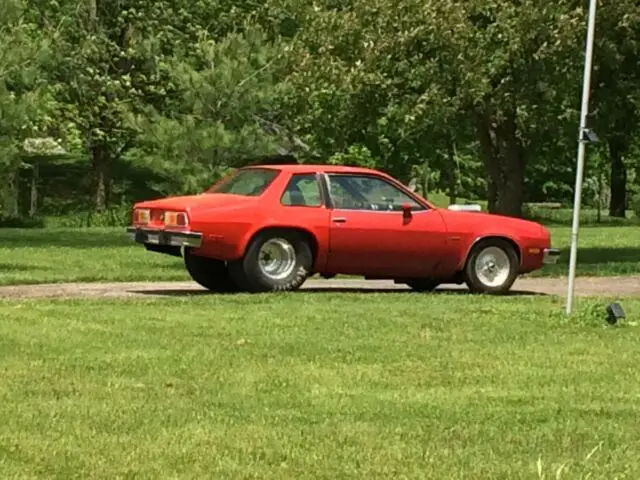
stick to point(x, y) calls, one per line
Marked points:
point(11, 194)
point(618, 201)
point(99, 153)
point(100, 160)
point(511, 193)
point(505, 162)
point(35, 173)
point(492, 195)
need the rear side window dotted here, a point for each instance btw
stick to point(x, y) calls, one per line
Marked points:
point(302, 191)
point(251, 182)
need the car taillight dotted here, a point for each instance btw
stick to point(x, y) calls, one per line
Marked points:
point(175, 219)
point(141, 215)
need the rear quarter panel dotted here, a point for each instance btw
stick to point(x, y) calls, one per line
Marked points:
point(227, 231)
point(223, 228)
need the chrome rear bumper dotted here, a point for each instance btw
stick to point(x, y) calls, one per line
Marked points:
point(165, 237)
point(550, 256)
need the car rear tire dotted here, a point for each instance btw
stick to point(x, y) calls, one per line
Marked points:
point(423, 284)
point(275, 261)
point(209, 273)
point(492, 267)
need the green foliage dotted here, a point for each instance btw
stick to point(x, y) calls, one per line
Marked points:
point(355, 155)
point(477, 99)
point(226, 91)
point(114, 216)
point(635, 204)
point(25, 99)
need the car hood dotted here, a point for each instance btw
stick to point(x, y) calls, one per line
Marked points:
point(203, 201)
point(491, 223)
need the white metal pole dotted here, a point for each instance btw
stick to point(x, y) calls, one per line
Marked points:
point(577, 200)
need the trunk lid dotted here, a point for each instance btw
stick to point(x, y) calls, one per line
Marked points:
point(204, 201)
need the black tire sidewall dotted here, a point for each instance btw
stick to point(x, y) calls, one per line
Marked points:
point(209, 273)
point(423, 284)
point(472, 280)
point(247, 272)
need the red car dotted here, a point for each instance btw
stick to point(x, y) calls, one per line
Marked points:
point(270, 227)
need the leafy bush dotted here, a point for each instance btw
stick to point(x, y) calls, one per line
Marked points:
point(22, 222)
point(117, 216)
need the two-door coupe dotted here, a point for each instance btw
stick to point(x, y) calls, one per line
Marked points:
point(270, 227)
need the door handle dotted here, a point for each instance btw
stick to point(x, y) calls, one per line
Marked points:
point(339, 220)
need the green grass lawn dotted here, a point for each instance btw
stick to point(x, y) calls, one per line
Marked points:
point(107, 254)
point(317, 385)
point(70, 255)
point(602, 251)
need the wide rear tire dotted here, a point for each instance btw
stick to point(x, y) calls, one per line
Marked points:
point(492, 267)
point(275, 261)
point(423, 284)
point(209, 273)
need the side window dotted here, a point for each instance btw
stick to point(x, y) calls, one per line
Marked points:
point(363, 192)
point(302, 191)
point(250, 182)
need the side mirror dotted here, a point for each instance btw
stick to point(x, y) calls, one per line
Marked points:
point(406, 210)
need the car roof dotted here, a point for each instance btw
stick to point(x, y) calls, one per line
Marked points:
point(327, 168)
point(307, 167)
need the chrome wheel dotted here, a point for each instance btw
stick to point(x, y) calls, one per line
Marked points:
point(492, 267)
point(277, 258)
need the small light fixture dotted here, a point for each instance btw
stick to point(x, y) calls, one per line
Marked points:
point(589, 136)
point(614, 313)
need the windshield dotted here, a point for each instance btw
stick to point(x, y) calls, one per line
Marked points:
point(251, 182)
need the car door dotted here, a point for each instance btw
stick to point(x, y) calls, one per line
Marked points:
point(369, 234)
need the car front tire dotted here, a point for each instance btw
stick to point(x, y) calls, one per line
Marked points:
point(492, 267)
point(275, 261)
point(209, 273)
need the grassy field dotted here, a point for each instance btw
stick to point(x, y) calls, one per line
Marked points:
point(80, 255)
point(317, 385)
point(107, 254)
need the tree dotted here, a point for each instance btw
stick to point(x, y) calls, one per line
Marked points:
point(104, 74)
point(477, 98)
point(227, 93)
point(516, 60)
point(359, 80)
point(115, 60)
point(25, 101)
point(616, 93)
point(414, 80)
